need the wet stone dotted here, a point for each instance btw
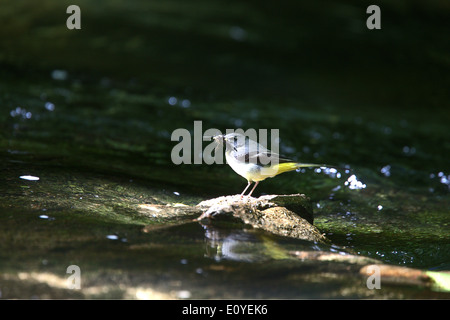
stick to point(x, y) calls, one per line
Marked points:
point(285, 215)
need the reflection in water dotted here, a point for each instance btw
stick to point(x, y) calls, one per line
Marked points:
point(237, 245)
point(251, 245)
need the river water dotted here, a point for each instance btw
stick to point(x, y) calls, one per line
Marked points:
point(86, 119)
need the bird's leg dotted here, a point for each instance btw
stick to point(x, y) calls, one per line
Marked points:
point(256, 183)
point(248, 185)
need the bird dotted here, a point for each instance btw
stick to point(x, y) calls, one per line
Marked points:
point(253, 161)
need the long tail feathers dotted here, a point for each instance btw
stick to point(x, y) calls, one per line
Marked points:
point(290, 166)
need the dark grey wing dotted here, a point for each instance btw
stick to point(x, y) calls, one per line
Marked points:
point(260, 158)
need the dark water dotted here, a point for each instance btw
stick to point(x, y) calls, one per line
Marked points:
point(90, 112)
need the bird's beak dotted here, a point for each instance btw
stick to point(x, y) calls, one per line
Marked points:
point(219, 138)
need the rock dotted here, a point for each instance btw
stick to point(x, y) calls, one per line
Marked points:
point(342, 257)
point(285, 215)
point(391, 274)
point(166, 210)
point(297, 203)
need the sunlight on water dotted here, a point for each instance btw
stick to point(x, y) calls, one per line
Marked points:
point(20, 112)
point(29, 178)
point(353, 183)
point(183, 103)
point(237, 33)
point(172, 101)
point(49, 106)
point(59, 75)
point(444, 179)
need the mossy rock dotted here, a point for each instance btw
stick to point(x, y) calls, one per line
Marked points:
point(285, 215)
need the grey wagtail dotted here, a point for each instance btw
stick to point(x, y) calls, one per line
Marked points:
point(254, 162)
